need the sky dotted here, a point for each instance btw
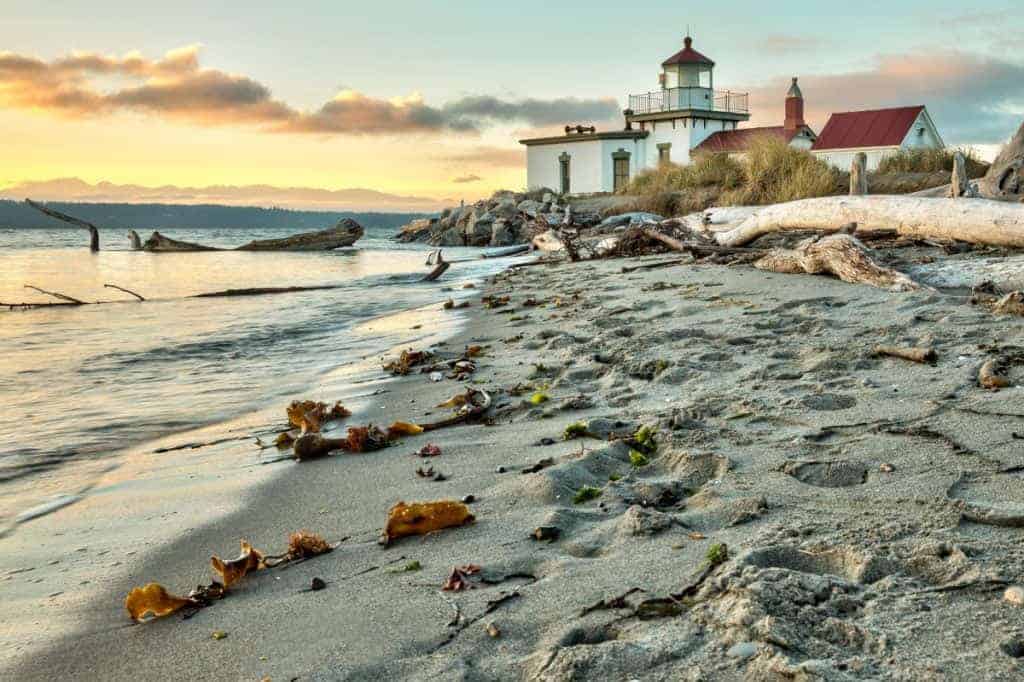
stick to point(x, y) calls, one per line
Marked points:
point(411, 104)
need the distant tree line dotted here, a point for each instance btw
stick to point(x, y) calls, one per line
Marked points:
point(142, 217)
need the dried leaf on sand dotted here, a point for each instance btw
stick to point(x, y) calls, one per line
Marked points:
point(304, 544)
point(419, 518)
point(407, 360)
point(457, 400)
point(310, 416)
point(399, 429)
point(365, 439)
point(235, 569)
point(153, 599)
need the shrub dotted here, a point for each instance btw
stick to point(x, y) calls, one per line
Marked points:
point(931, 161)
point(774, 172)
point(585, 494)
point(706, 170)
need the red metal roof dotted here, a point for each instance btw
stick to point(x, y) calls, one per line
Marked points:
point(739, 140)
point(877, 128)
point(687, 55)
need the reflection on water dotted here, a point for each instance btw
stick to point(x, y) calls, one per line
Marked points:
point(80, 383)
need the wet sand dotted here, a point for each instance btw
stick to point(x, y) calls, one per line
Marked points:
point(847, 489)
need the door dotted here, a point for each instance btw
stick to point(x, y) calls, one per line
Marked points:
point(621, 170)
point(563, 163)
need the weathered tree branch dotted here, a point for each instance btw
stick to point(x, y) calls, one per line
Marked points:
point(127, 291)
point(94, 233)
point(66, 299)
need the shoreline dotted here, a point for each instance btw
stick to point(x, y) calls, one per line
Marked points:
point(223, 476)
point(827, 472)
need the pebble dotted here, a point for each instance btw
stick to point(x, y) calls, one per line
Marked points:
point(219, 634)
point(1014, 595)
point(469, 499)
point(1013, 647)
point(317, 584)
point(886, 468)
point(548, 533)
point(500, 470)
point(742, 650)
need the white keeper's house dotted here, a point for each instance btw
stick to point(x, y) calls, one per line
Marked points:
point(687, 116)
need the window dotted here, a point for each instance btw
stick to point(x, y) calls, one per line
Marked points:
point(563, 172)
point(664, 153)
point(620, 168)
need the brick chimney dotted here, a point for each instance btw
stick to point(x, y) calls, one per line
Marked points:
point(794, 107)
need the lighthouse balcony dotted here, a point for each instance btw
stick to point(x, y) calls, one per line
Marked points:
point(690, 99)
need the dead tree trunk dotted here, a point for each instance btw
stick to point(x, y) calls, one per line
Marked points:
point(133, 238)
point(439, 269)
point(859, 175)
point(94, 233)
point(1005, 179)
point(840, 255)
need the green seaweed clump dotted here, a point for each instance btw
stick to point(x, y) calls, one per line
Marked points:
point(638, 459)
point(586, 494)
point(643, 440)
point(539, 398)
point(614, 477)
point(718, 553)
point(575, 430)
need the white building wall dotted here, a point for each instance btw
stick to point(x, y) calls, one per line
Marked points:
point(843, 159)
point(586, 168)
point(665, 133)
point(922, 134)
point(915, 139)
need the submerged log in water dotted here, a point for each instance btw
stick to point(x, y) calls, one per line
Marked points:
point(346, 233)
point(160, 244)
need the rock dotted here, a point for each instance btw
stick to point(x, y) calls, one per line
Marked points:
point(546, 533)
point(1014, 595)
point(451, 237)
point(506, 208)
point(502, 233)
point(530, 208)
point(317, 584)
point(742, 650)
point(417, 230)
point(1013, 647)
point(634, 218)
point(548, 197)
point(478, 229)
point(468, 499)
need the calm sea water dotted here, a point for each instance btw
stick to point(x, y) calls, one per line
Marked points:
point(81, 383)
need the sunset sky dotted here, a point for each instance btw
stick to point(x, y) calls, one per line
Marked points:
point(425, 100)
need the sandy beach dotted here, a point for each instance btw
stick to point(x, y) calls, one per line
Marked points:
point(811, 510)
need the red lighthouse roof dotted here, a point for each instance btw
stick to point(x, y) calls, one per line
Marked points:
point(687, 55)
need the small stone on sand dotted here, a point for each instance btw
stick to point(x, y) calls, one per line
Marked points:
point(1014, 595)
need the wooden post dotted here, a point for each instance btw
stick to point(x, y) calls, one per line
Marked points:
point(961, 186)
point(859, 175)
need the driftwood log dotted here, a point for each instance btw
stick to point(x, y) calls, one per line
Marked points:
point(133, 239)
point(859, 175)
point(978, 221)
point(840, 255)
point(440, 266)
point(1005, 178)
point(94, 233)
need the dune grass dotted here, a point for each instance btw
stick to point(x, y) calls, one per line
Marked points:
point(769, 173)
point(931, 161)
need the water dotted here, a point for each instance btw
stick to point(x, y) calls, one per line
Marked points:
point(82, 383)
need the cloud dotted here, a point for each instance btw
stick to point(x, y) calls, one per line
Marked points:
point(463, 179)
point(779, 44)
point(974, 99)
point(354, 199)
point(488, 157)
point(177, 87)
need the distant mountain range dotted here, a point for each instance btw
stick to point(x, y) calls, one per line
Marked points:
point(267, 196)
point(145, 217)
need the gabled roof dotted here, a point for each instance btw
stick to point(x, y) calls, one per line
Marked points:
point(859, 129)
point(739, 140)
point(687, 55)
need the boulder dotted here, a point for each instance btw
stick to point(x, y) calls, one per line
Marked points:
point(531, 208)
point(417, 230)
point(453, 236)
point(505, 208)
point(503, 233)
point(478, 229)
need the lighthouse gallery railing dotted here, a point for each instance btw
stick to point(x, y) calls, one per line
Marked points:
point(675, 99)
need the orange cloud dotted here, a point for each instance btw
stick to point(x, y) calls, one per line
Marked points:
point(177, 87)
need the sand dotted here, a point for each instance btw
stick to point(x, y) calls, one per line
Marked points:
point(847, 488)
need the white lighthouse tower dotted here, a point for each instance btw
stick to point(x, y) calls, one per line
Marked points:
point(660, 127)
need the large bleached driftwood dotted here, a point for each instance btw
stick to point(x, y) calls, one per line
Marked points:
point(158, 243)
point(978, 221)
point(346, 233)
point(840, 255)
